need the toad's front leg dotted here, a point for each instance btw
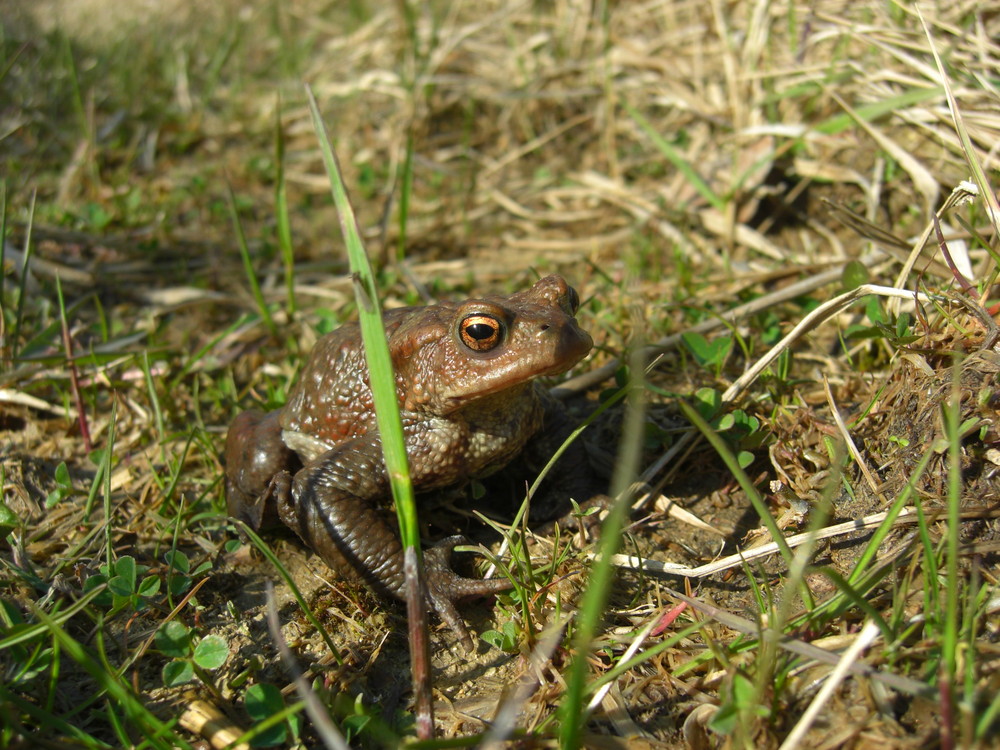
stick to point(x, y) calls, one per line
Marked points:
point(332, 507)
point(255, 458)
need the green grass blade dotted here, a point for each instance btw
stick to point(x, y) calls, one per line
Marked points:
point(210, 345)
point(858, 600)
point(22, 285)
point(26, 633)
point(571, 711)
point(692, 415)
point(390, 425)
point(405, 191)
point(674, 157)
point(284, 225)
point(44, 718)
point(861, 567)
point(950, 635)
point(241, 238)
point(3, 260)
point(383, 384)
point(875, 110)
point(990, 715)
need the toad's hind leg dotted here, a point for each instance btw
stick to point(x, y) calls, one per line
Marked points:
point(332, 507)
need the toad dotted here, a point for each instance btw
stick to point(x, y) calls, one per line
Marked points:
point(465, 380)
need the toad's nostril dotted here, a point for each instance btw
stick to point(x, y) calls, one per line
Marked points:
point(544, 327)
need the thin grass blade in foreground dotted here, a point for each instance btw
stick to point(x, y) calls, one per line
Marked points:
point(22, 284)
point(326, 729)
point(572, 709)
point(241, 237)
point(3, 259)
point(949, 668)
point(74, 377)
point(283, 222)
point(390, 426)
point(675, 158)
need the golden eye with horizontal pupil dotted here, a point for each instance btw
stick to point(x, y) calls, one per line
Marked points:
point(481, 332)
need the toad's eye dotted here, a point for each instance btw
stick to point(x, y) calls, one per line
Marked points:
point(574, 301)
point(481, 332)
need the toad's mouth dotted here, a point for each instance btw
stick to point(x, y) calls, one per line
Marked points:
point(514, 375)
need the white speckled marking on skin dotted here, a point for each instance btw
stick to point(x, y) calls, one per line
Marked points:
point(307, 446)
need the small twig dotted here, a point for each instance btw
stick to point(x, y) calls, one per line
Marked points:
point(324, 726)
point(74, 378)
point(962, 281)
point(852, 448)
point(10, 396)
point(903, 684)
point(656, 567)
point(906, 515)
point(201, 717)
point(503, 722)
point(865, 638)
